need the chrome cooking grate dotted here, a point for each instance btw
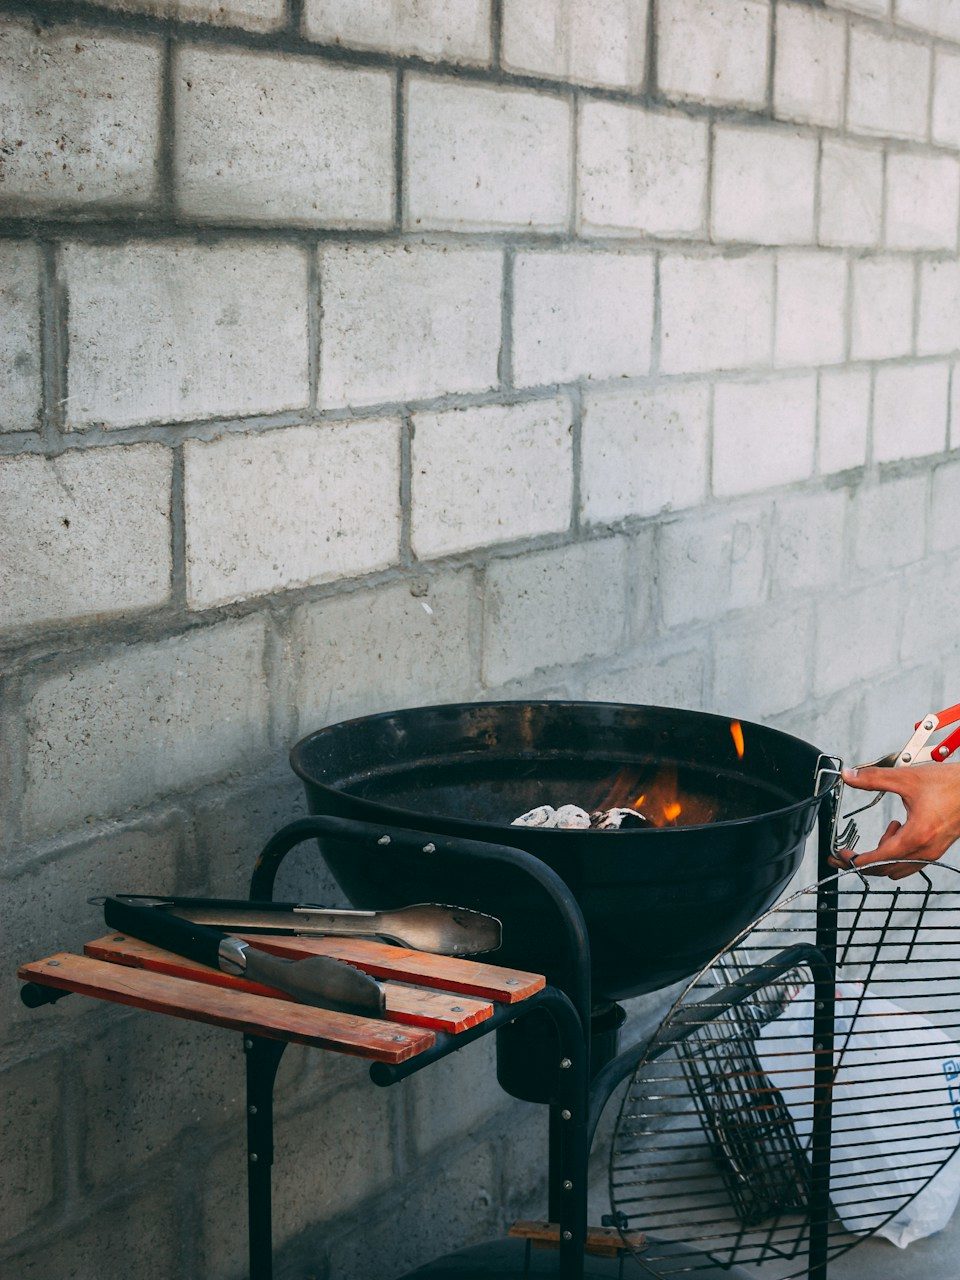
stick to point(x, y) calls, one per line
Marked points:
point(820, 1052)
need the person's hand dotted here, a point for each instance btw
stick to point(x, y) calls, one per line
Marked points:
point(931, 797)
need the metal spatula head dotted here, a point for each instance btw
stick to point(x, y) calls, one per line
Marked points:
point(320, 981)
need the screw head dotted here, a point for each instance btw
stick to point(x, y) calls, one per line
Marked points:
point(384, 840)
point(906, 757)
point(252, 1109)
point(818, 1045)
point(429, 848)
point(248, 1045)
point(254, 1157)
point(511, 982)
point(54, 964)
point(568, 1185)
point(565, 1114)
point(565, 1064)
point(928, 725)
point(456, 1008)
point(567, 1235)
point(120, 937)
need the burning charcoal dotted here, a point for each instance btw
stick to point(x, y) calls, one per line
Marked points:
point(617, 819)
point(544, 816)
point(572, 816)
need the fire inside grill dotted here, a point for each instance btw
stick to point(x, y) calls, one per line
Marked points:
point(630, 802)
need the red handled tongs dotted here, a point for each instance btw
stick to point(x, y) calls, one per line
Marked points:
point(917, 749)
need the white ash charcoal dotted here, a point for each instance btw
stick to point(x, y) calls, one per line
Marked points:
point(543, 816)
point(617, 819)
point(572, 816)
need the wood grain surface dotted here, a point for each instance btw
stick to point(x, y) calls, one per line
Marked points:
point(238, 1010)
point(410, 1005)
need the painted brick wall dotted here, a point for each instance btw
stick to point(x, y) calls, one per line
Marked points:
point(356, 353)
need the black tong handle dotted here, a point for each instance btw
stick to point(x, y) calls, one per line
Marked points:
point(164, 929)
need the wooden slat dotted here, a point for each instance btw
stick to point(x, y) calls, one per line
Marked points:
point(413, 1006)
point(447, 973)
point(602, 1242)
point(239, 1010)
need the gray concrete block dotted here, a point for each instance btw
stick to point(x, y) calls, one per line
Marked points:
point(19, 336)
point(640, 171)
point(250, 15)
point(451, 30)
point(857, 635)
point(662, 680)
point(84, 533)
point(328, 1159)
point(808, 541)
point(451, 1101)
point(945, 506)
point(45, 905)
point(890, 525)
point(593, 44)
point(550, 608)
point(109, 735)
point(81, 118)
point(268, 137)
point(399, 645)
point(581, 315)
point(166, 331)
point(644, 452)
point(147, 1079)
point(137, 1236)
point(405, 322)
point(714, 53)
point(762, 664)
point(491, 474)
point(290, 508)
point(712, 564)
point(31, 1144)
point(485, 157)
point(228, 826)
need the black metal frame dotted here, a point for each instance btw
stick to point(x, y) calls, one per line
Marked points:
point(580, 1096)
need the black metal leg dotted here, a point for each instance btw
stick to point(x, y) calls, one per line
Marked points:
point(263, 1060)
point(824, 1024)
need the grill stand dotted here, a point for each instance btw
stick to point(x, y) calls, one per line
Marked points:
point(580, 1097)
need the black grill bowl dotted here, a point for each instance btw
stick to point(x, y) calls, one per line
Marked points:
point(658, 903)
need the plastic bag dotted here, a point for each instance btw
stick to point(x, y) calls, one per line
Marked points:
point(893, 1058)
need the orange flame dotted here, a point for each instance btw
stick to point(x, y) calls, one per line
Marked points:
point(736, 732)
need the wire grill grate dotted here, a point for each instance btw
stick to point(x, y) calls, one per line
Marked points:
point(819, 1053)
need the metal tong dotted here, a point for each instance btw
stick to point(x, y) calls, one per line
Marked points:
point(916, 750)
point(428, 926)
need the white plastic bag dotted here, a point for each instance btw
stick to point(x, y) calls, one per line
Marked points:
point(893, 1058)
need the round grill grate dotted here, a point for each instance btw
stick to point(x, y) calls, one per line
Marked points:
point(820, 1051)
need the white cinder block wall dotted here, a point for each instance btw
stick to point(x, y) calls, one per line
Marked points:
point(356, 353)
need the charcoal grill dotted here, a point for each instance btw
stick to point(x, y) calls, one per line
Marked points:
point(417, 805)
point(657, 903)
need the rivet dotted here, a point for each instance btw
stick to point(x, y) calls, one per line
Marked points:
point(429, 848)
point(384, 840)
point(567, 1235)
point(565, 1114)
point(399, 1039)
point(819, 1004)
point(248, 1045)
point(906, 757)
point(254, 1157)
point(252, 1110)
point(818, 1045)
point(511, 982)
point(54, 964)
point(456, 1008)
point(929, 725)
point(565, 1064)
point(568, 1185)
point(120, 938)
